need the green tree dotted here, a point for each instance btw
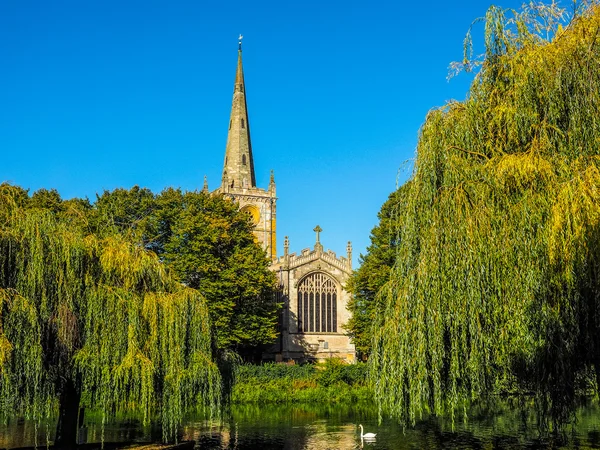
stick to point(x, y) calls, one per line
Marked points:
point(46, 199)
point(97, 315)
point(126, 211)
point(19, 196)
point(209, 244)
point(497, 275)
point(373, 273)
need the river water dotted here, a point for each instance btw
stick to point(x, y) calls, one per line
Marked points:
point(336, 427)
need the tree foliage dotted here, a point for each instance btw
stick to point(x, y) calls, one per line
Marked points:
point(373, 273)
point(208, 242)
point(80, 313)
point(497, 276)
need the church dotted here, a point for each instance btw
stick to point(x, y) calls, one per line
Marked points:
point(311, 283)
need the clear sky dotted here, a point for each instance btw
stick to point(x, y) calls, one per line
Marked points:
point(100, 94)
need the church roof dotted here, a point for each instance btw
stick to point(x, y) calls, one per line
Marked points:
point(291, 261)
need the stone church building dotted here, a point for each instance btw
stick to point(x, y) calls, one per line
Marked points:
point(311, 282)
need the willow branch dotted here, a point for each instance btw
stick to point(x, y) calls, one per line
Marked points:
point(467, 151)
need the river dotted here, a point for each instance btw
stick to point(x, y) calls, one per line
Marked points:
point(336, 427)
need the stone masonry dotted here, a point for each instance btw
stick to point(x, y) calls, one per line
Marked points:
point(312, 282)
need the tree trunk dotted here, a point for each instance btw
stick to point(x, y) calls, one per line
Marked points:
point(66, 429)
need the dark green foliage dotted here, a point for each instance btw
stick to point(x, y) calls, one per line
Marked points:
point(335, 371)
point(374, 272)
point(129, 212)
point(208, 243)
point(497, 276)
point(354, 374)
point(273, 371)
point(46, 199)
point(212, 249)
point(330, 382)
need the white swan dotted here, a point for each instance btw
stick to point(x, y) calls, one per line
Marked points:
point(367, 435)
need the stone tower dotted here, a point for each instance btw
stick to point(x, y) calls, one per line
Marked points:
point(238, 180)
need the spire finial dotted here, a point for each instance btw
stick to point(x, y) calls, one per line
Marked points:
point(205, 187)
point(272, 180)
point(240, 42)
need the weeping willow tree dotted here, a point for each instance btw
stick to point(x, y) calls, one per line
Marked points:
point(497, 276)
point(98, 317)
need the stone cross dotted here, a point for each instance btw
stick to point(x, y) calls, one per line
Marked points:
point(318, 230)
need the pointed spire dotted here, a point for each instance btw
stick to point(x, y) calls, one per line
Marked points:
point(238, 169)
point(205, 187)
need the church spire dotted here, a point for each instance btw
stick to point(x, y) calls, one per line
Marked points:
point(238, 169)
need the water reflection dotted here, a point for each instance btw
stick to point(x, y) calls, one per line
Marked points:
point(320, 435)
point(511, 426)
point(493, 426)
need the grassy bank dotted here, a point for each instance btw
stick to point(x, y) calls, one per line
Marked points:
point(332, 381)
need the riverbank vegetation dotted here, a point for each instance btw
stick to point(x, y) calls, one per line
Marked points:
point(330, 382)
point(496, 279)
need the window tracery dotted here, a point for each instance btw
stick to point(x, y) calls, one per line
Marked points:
point(317, 304)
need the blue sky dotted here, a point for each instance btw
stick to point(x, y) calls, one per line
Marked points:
point(97, 95)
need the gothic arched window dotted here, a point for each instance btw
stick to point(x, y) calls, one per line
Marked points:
point(317, 304)
point(244, 160)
